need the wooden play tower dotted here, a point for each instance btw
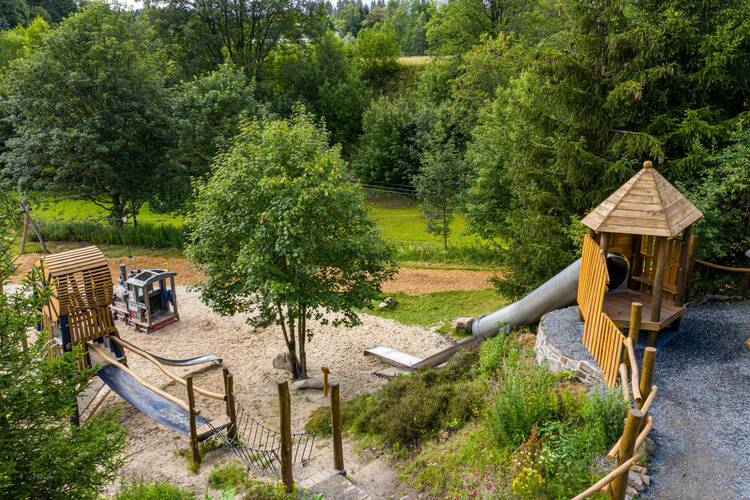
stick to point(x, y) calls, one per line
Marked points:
point(649, 223)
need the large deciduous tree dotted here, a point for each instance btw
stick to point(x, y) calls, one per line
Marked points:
point(280, 229)
point(41, 455)
point(91, 112)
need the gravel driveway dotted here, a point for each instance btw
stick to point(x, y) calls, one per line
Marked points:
point(702, 410)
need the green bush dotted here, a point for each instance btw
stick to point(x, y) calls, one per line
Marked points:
point(146, 235)
point(152, 490)
point(495, 351)
point(232, 478)
point(525, 398)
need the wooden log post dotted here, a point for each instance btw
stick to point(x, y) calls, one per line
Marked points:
point(627, 447)
point(647, 373)
point(326, 372)
point(285, 417)
point(604, 241)
point(682, 276)
point(658, 288)
point(338, 447)
point(636, 267)
point(231, 407)
point(191, 418)
point(634, 327)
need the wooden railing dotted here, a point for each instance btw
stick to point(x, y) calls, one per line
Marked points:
point(593, 279)
point(639, 393)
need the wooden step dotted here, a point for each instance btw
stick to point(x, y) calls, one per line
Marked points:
point(205, 431)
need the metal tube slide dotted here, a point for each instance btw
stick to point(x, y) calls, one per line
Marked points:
point(559, 291)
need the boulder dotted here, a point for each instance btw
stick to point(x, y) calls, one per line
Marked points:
point(387, 303)
point(283, 361)
point(308, 383)
point(462, 325)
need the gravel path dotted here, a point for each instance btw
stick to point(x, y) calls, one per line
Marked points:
point(702, 411)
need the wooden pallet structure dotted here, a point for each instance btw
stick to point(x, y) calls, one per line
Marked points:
point(649, 222)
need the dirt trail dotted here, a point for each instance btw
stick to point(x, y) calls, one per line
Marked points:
point(410, 281)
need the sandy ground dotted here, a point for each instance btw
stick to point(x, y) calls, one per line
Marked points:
point(410, 281)
point(248, 352)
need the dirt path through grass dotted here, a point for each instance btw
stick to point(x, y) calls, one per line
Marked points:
point(408, 280)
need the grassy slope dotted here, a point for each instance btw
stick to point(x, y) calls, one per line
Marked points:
point(439, 308)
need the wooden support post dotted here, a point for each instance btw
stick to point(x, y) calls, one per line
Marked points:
point(634, 329)
point(285, 416)
point(604, 242)
point(326, 372)
point(658, 289)
point(647, 373)
point(338, 447)
point(193, 427)
point(627, 447)
point(682, 276)
point(231, 408)
point(636, 262)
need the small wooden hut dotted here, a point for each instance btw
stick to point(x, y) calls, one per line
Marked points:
point(649, 222)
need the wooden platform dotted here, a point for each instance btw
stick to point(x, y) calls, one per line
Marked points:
point(617, 307)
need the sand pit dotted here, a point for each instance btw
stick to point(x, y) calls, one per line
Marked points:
point(248, 352)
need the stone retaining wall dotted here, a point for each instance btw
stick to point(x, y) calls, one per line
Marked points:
point(586, 371)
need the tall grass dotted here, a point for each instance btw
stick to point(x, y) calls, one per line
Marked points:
point(146, 235)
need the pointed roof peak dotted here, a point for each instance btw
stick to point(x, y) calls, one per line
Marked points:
point(646, 204)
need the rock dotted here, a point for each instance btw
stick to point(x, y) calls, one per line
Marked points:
point(308, 383)
point(646, 479)
point(638, 468)
point(282, 361)
point(631, 491)
point(387, 303)
point(462, 325)
point(634, 480)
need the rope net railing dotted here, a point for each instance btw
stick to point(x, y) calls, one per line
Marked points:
point(259, 447)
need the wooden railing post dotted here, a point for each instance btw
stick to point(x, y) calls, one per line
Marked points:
point(285, 416)
point(657, 291)
point(634, 327)
point(627, 447)
point(338, 447)
point(326, 372)
point(231, 408)
point(193, 427)
point(647, 372)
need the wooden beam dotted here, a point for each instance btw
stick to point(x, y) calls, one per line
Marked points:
point(629, 436)
point(634, 327)
point(338, 447)
point(193, 427)
point(647, 372)
point(604, 241)
point(661, 267)
point(285, 418)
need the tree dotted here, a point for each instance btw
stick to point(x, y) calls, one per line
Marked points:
point(53, 11)
point(41, 455)
point(207, 111)
point(91, 112)
point(660, 80)
point(21, 40)
point(395, 132)
point(250, 30)
point(377, 53)
point(13, 13)
point(440, 184)
point(280, 229)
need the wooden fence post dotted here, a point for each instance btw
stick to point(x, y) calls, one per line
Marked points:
point(634, 327)
point(627, 447)
point(326, 372)
point(647, 373)
point(285, 415)
point(193, 427)
point(657, 291)
point(338, 447)
point(231, 408)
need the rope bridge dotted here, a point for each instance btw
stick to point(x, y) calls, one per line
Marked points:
point(259, 447)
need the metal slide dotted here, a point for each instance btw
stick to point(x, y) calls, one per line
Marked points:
point(559, 291)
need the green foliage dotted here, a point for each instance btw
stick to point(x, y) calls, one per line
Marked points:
point(145, 235)
point(525, 398)
point(90, 112)
point(41, 454)
point(377, 54)
point(338, 96)
point(13, 13)
point(53, 11)
point(395, 134)
point(155, 490)
point(279, 227)
point(232, 477)
point(21, 40)
point(207, 114)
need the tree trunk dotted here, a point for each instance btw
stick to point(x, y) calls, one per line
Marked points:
point(118, 211)
point(445, 230)
point(134, 213)
point(301, 334)
point(289, 339)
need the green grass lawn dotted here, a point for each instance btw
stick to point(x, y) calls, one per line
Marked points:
point(439, 308)
point(400, 220)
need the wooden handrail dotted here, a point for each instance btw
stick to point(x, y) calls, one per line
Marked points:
point(624, 468)
point(723, 268)
point(646, 429)
point(100, 352)
point(624, 383)
point(633, 369)
point(179, 380)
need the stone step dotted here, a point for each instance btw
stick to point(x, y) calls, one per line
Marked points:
point(333, 485)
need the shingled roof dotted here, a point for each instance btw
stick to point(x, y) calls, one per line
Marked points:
point(647, 204)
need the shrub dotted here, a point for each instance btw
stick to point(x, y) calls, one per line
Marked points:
point(525, 398)
point(148, 490)
point(229, 475)
point(232, 478)
point(145, 235)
